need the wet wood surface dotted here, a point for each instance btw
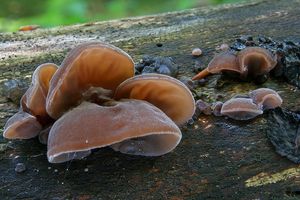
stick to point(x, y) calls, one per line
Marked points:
point(217, 158)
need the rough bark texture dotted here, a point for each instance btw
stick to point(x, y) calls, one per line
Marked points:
point(217, 158)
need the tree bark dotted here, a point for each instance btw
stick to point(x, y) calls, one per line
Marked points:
point(217, 158)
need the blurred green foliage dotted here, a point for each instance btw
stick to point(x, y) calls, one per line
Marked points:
point(48, 13)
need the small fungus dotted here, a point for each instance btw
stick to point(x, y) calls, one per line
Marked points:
point(225, 61)
point(240, 109)
point(32, 116)
point(121, 125)
point(266, 98)
point(90, 64)
point(21, 126)
point(251, 61)
point(256, 61)
point(165, 92)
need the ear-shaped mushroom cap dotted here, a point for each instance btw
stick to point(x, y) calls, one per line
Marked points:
point(27, 123)
point(88, 65)
point(21, 126)
point(225, 61)
point(256, 61)
point(34, 100)
point(265, 97)
point(165, 92)
point(240, 109)
point(132, 127)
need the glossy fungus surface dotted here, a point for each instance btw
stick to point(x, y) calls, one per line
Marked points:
point(164, 92)
point(34, 100)
point(129, 126)
point(256, 61)
point(225, 61)
point(267, 98)
point(21, 126)
point(240, 109)
point(28, 122)
point(251, 61)
point(88, 65)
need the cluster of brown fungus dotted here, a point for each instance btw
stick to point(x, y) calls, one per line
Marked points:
point(244, 107)
point(94, 100)
point(249, 62)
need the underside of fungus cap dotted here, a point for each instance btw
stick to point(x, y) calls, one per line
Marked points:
point(240, 109)
point(88, 65)
point(21, 126)
point(34, 100)
point(256, 60)
point(130, 126)
point(225, 61)
point(164, 92)
point(266, 97)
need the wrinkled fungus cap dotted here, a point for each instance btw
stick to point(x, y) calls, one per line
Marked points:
point(167, 93)
point(225, 61)
point(88, 65)
point(129, 126)
point(240, 109)
point(21, 126)
point(256, 60)
point(265, 97)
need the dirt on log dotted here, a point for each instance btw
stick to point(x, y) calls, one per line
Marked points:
point(217, 158)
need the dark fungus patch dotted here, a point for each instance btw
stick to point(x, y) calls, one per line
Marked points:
point(284, 133)
point(287, 52)
point(160, 65)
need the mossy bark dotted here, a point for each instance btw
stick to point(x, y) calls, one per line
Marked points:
point(217, 158)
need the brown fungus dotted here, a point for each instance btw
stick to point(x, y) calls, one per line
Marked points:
point(256, 61)
point(21, 126)
point(129, 126)
point(240, 109)
point(266, 98)
point(164, 92)
point(96, 65)
point(34, 100)
point(32, 116)
point(225, 61)
point(251, 61)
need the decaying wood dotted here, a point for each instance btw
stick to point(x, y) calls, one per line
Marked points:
point(217, 158)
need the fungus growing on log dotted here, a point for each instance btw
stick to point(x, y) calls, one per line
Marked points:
point(32, 116)
point(164, 92)
point(266, 98)
point(225, 61)
point(97, 102)
point(240, 109)
point(130, 126)
point(35, 97)
point(256, 61)
point(88, 65)
point(21, 126)
point(251, 61)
